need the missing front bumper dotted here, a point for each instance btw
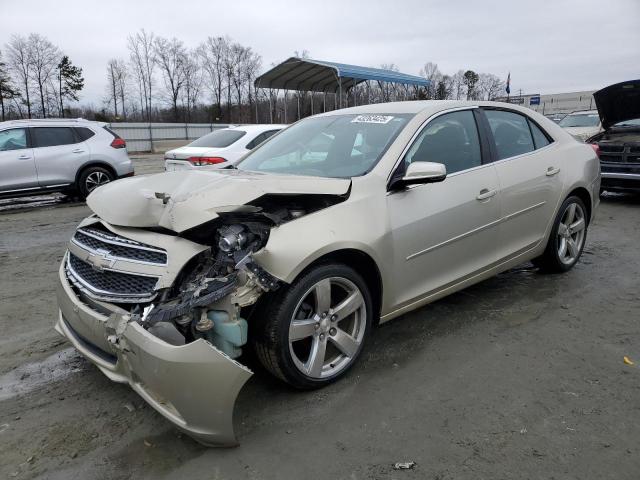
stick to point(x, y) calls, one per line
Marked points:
point(194, 386)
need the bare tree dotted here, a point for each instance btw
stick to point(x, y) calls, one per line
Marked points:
point(7, 90)
point(143, 61)
point(192, 83)
point(112, 78)
point(431, 72)
point(458, 86)
point(44, 57)
point(20, 65)
point(170, 55)
point(489, 86)
point(212, 54)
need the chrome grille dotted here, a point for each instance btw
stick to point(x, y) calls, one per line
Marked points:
point(119, 247)
point(108, 284)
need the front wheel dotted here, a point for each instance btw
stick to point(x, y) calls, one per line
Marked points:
point(567, 238)
point(311, 333)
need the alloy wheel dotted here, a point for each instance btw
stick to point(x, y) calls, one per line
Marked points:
point(571, 233)
point(96, 179)
point(327, 328)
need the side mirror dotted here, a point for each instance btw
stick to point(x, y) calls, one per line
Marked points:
point(421, 172)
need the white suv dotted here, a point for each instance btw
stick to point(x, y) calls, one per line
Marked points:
point(59, 155)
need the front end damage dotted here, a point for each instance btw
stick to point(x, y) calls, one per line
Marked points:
point(164, 311)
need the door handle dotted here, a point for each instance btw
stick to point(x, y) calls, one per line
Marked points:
point(485, 193)
point(552, 171)
point(24, 157)
point(77, 150)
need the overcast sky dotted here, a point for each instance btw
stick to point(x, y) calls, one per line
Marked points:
point(548, 46)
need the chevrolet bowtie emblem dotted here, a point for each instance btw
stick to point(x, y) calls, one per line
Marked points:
point(101, 259)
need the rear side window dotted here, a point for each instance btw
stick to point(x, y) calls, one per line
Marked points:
point(256, 141)
point(53, 136)
point(13, 139)
point(84, 133)
point(540, 139)
point(511, 133)
point(451, 139)
point(219, 139)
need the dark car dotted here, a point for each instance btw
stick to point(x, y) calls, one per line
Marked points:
point(618, 146)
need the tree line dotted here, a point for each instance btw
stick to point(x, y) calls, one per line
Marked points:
point(36, 78)
point(162, 79)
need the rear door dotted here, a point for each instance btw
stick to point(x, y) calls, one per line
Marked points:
point(17, 165)
point(530, 181)
point(59, 153)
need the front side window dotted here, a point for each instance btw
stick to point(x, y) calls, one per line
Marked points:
point(218, 139)
point(13, 139)
point(53, 136)
point(337, 146)
point(511, 133)
point(451, 139)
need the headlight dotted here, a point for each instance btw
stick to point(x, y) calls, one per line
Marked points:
point(232, 238)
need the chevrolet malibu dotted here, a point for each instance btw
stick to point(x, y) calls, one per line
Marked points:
point(342, 221)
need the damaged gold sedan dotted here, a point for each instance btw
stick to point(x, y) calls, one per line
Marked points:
point(338, 222)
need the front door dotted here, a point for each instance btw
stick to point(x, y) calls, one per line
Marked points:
point(444, 232)
point(17, 165)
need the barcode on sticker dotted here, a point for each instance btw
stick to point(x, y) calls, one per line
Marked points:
point(372, 119)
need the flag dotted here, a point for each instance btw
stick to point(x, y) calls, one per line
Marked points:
point(508, 88)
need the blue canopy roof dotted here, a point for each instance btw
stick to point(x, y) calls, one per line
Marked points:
point(321, 76)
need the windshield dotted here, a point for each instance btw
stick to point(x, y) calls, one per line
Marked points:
point(580, 120)
point(629, 123)
point(338, 146)
point(218, 139)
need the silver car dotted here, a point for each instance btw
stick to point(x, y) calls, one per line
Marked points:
point(71, 156)
point(340, 222)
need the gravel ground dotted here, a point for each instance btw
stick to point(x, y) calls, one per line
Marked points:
point(519, 377)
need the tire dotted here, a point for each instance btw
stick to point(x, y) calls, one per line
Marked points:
point(303, 310)
point(559, 255)
point(91, 178)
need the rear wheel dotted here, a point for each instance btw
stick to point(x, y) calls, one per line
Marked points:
point(92, 178)
point(567, 239)
point(314, 331)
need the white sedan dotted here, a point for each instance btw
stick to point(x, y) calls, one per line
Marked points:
point(218, 147)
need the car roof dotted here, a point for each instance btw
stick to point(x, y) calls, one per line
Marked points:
point(51, 121)
point(257, 127)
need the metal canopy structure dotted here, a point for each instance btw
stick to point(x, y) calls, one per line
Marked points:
point(308, 75)
point(320, 76)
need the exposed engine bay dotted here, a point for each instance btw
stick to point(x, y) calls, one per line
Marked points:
point(208, 296)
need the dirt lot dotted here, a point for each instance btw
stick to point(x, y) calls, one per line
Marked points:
point(519, 377)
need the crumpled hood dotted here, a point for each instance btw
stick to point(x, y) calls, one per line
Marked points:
point(619, 102)
point(185, 199)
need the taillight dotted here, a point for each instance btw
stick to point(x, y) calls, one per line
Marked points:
point(596, 148)
point(118, 143)
point(200, 161)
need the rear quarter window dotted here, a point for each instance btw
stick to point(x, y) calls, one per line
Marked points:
point(84, 133)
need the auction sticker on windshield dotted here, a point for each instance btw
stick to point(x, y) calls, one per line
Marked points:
point(372, 119)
